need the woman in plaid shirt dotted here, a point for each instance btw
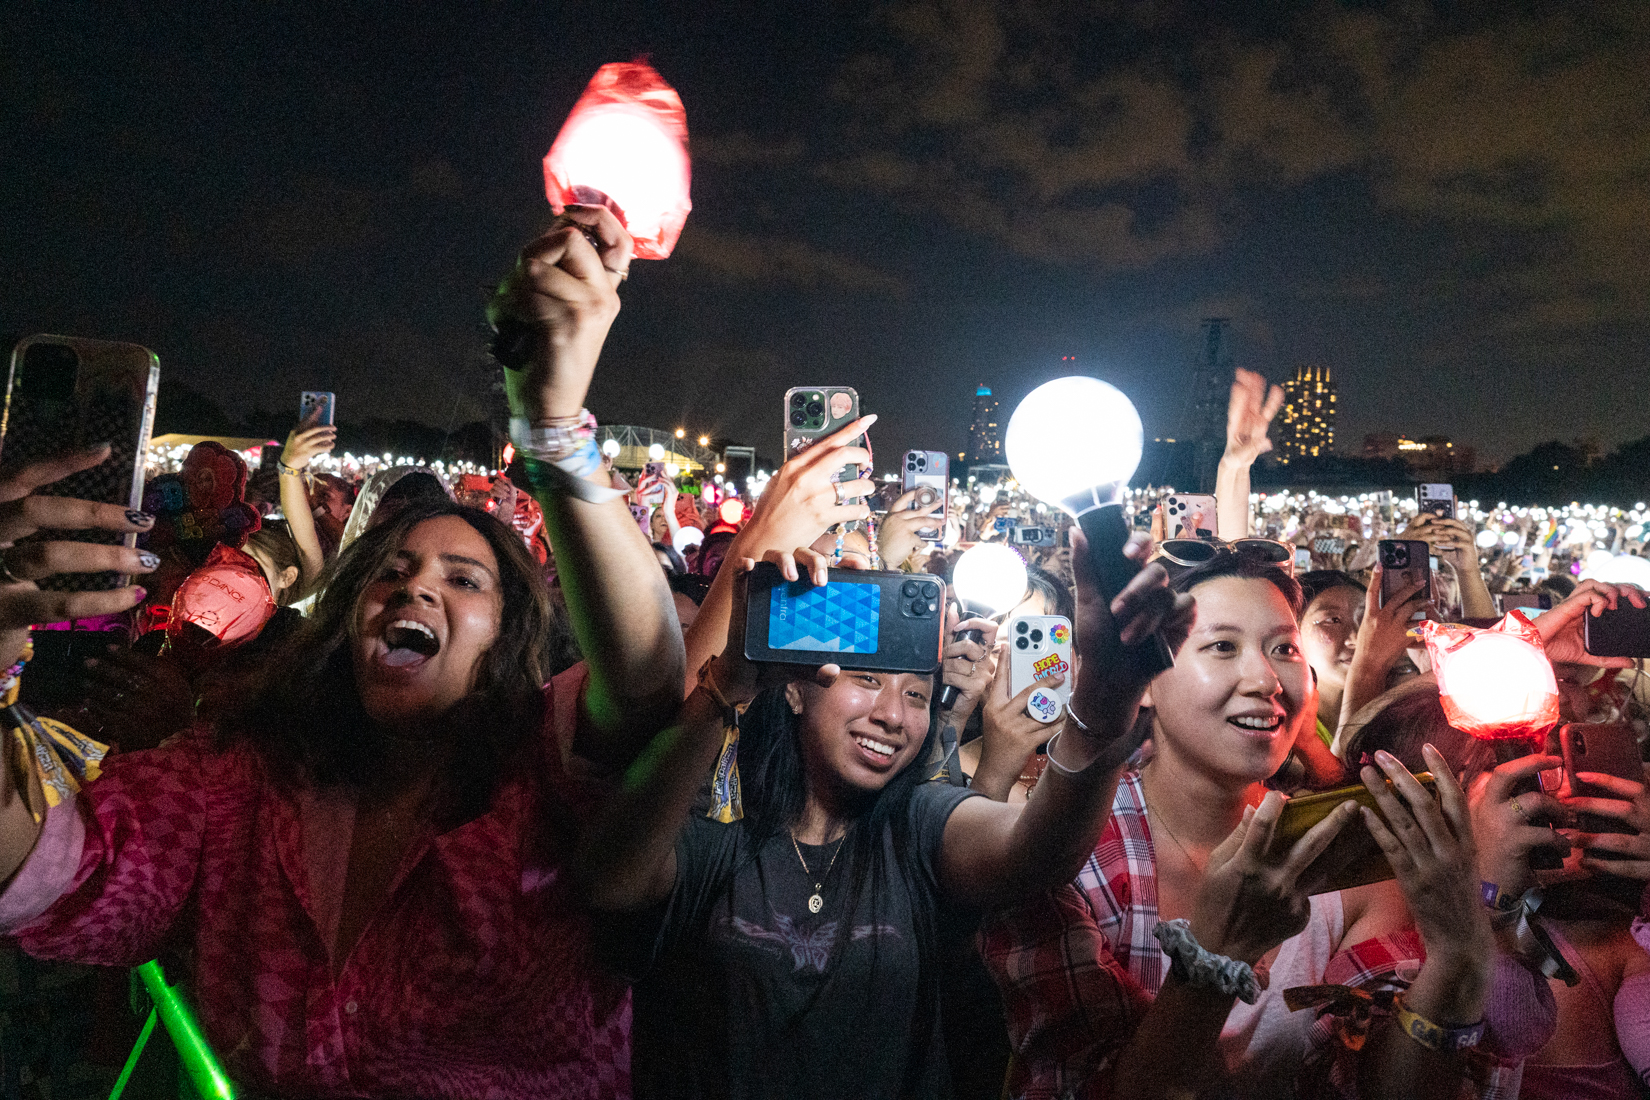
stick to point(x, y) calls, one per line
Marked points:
point(1094, 1010)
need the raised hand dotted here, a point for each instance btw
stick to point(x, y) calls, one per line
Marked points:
point(1010, 733)
point(801, 501)
point(740, 678)
point(1249, 413)
point(22, 513)
point(1504, 811)
point(968, 665)
point(308, 440)
point(897, 533)
point(1560, 628)
point(565, 292)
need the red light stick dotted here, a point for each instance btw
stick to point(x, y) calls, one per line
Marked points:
point(1495, 684)
point(625, 146)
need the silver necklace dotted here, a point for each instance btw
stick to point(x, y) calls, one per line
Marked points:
point(817, 901)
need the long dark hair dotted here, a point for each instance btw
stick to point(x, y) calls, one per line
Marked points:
point(304, 715)
point(774, 787)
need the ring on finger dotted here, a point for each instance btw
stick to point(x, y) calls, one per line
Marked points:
point(1518, 808)
point(837, 488)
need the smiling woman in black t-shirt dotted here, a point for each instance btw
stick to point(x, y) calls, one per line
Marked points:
point(794, 952)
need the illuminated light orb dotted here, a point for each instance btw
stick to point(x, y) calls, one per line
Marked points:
point(732, 511)
point(656, 452)
point(990, 576)
point(1498, 680)
point(1486, 539)
point(1073, 437)
point(1617, 569)
point(611, 448)
point(671, 469)
point(627, 138)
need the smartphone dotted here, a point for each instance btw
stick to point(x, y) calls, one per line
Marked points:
point(1040, 646)
point(1303, 559)
point(1437, 498)
point(1359, 859)
point(881, 621)
point(1328, 546)
point(1031, 536)
point(929, 470)
point(813, 412)
point(1190, 516)
point(1405, 562)
point(1607, 748)
point(66, 393)
point(310, 400)
point(1624, 632)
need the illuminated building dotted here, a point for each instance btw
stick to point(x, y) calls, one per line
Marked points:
point(1211, 391)
point(1306, 426)
point(1428, 457)
point(985, 438)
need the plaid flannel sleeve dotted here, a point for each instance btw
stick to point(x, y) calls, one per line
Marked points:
point(1071, 1006)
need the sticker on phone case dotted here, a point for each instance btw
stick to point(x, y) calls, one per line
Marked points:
point(1048, 666)
point(1060, 633)
point(834, 618)
point(1043, 706)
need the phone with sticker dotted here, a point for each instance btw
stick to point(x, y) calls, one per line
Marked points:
point(1038, 647)
point(1190, 515)
point(931, 471)
point(814, 412)
point(884, 621)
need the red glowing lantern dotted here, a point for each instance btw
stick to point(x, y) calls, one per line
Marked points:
point(625, 145)
point(1495, 684)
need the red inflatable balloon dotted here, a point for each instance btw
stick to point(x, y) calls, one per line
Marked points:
point(626, 142)
point(227, 597)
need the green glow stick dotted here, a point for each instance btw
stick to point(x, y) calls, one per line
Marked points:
point(196, 1056)
point(132, 1058)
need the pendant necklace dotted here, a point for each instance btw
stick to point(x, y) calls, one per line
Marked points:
point(817, 901)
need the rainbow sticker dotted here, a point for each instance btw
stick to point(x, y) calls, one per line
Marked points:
point(1060, 633)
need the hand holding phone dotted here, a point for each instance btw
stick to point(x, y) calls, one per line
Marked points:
point(1404, 564)
point(1607, 750)
point(888, 622)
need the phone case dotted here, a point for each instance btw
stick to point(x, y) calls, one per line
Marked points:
point(1437, 498)
point(1360, 859)
point(814, 412)
point(309, 399)
point(1403, 563)
point(1622, 632)
point(1038, 647)
point(928, 469)
point(67, 393)
point(886, 622)
point(1608, 749)
point(1190, 516)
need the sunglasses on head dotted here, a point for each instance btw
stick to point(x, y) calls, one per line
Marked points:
point(1189, 552)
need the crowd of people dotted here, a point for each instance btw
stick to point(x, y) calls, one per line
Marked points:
point(450, 782)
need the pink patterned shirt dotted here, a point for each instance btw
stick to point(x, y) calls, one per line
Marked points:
point(476, 978)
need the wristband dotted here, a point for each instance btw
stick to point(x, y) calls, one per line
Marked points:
point(1492, 897)
point(1196, 965)
point(556, 438)
point(1436, 1037)
point(288, 471)
point(554, 477)
point(707, 684)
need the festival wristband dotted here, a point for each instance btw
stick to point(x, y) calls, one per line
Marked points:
point(1493, 897)
point(553, 477)
point(1436, 1037)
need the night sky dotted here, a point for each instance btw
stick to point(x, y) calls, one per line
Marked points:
point(1447, 204)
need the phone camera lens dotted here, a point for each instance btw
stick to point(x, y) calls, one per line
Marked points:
point(1021, 643)
point(930, 590)
point(1036, 635)
point(815, 408)
point(909, 588)
point(797, 400)
point(910, 465)
point(1021, 628)
point(798, 418)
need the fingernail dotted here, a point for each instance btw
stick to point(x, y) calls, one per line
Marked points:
point(1385, 757)
point(142, 593)
point(139, 519)
point(148, 560)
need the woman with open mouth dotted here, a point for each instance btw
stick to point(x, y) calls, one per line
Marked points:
point(361, 875)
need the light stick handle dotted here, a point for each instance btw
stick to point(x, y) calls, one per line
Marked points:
point(949, 692)
point(1107, 533)
point(195, 1054)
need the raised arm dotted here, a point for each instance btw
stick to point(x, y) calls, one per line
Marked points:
point(22, 513)
point(628, 858)
point(800, 503)
point(303, 444)
point(563, 297)
point(1249, 414)
point(994, 854)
